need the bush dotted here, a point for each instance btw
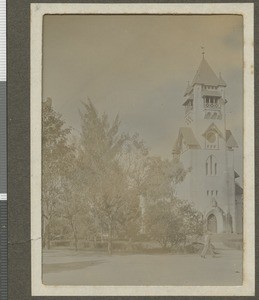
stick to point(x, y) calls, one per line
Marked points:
point(173, 223)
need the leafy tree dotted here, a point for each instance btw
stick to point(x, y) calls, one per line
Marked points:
point(71, 207)
point(106, 188)
point(134, 160)
point(173, 223)
point(158, 181)
point(161, 177)
point(97, 184)
point(167, 220)
point(56, 152)
point(158, 221)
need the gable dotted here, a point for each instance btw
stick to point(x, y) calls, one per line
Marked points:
point(212, 127)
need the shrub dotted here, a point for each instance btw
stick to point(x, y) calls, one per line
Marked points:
point(172, 223)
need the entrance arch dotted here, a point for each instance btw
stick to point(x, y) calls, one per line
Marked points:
point(212, 223)
point(214, 220)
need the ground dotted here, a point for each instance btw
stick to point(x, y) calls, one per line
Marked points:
point(68, 267)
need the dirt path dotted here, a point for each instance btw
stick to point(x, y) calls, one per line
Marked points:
point(85, 268)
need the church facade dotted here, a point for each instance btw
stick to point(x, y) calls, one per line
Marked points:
point(206, 148)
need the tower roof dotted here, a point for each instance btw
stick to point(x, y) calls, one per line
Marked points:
point(221, 81)
point(205, 75)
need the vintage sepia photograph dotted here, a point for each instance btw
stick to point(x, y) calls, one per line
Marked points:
point(142, 156)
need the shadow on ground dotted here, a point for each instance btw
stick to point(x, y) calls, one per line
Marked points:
point(59, 267)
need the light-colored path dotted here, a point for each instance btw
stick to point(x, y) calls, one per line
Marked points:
point(63, 267)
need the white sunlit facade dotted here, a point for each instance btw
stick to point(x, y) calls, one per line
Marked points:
point(206, 147)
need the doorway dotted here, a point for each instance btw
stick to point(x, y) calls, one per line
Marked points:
point(212, 223)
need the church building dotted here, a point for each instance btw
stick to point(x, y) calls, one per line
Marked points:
point(206, 146)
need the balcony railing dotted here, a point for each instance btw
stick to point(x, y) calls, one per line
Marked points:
point(212, 106)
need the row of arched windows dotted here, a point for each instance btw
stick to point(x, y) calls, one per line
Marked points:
point(211, 166)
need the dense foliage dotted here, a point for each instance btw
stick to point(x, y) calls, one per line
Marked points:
point(105, 186)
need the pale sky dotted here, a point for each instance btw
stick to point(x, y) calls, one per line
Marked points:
point(138, 66)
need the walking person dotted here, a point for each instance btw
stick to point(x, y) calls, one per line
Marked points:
point(208, 247)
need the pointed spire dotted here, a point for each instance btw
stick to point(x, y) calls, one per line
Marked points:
point(203, 51)
point(221, 81)
point(205, 74)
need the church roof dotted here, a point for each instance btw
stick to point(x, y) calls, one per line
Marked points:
point(190, 97)
point(189, 136)
point(238, 189)
point(236, 174)
point(205, 75)
point(231, 142)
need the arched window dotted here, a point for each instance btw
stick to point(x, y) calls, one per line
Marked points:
point(211, 166)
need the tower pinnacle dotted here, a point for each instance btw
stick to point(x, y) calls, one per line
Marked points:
point(203, 51)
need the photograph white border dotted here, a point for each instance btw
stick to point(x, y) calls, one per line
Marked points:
point(37, 13)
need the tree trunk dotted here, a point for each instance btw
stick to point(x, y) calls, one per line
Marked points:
point(101, 234)
point(76, 241)
point(47, 237)
point(48, 242)
point(75, 235)
point(110, 240)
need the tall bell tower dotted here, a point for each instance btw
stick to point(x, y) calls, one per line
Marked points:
point(206, 147)
point(204, 100)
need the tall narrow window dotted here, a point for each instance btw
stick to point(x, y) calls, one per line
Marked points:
point(211, 166)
